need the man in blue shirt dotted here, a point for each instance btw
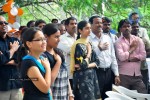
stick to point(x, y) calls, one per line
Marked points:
point(9, 74)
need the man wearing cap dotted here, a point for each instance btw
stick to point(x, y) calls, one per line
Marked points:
point(9, 74)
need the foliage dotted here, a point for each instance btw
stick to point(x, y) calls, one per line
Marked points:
point(83, 9)
point(114, 9)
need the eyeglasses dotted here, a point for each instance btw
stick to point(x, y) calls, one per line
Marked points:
point(3, 22)
point(40, 39)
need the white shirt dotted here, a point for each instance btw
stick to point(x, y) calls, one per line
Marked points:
point(143, 33)
point(65, 44)
point(107, 58)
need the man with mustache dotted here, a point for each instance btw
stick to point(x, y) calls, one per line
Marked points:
point(9, 75)
point(67, 40)
point(104, 48)
point(130, 52)
point(144, 67)
point(107, 28)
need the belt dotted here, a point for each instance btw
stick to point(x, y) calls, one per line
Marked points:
point(104, 69)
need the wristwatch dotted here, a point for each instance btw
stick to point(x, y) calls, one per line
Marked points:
point(130, 52)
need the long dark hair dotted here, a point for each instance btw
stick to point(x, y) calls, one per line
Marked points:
point(49, 30)
point(27, 35)
point(80, 26)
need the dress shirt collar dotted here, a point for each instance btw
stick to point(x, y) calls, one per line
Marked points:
point(68, 35)
point(93, 35)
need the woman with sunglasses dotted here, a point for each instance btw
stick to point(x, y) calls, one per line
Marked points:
point(35, 69)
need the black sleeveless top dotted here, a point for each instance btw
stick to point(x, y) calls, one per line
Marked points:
point(31, 91)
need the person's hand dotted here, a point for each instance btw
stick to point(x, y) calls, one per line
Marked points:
point(14, 46)
point(12, 62)
point(103, 46)
point(117, 80)
point(1, 53)
point(57, 58)
point(77, 66)
point(134, 59)
point(133, 45)
point(71, 98)
point(45, 63)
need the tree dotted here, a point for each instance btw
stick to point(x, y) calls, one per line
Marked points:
point(83, 9)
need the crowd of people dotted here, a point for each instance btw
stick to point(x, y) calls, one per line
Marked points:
point(72, 60)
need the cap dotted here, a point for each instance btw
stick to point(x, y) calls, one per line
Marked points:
point(13, 30)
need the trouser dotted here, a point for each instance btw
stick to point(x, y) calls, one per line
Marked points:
point(14, 94)
point(133, 83)
point(105, 81)
point(145, 77)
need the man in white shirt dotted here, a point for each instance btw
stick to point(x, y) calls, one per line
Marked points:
point(67, 40)
point(107, 27)
point(104, 49)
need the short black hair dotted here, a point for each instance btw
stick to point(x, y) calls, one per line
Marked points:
point(68, 20)
point(105, 19)
point(134, 13)
point(39, 22)
point(63, 21)
point(54, 20)
point(91, 18)
point(29, 23)
point(122, 22)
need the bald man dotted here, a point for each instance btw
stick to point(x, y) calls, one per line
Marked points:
point(10, 84)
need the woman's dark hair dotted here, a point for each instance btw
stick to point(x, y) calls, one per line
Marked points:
point(50, 29)
point(80, 26)
point(27, 35)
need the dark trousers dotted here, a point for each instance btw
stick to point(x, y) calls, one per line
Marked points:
point(145, 77)
point(105, 81)
point(133, 83)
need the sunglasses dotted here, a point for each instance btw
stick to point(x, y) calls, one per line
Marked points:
point(3, 22)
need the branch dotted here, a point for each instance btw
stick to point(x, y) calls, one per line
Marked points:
point(31, 12)
point(49, 11)
point(28, 4)
point(40, 11)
